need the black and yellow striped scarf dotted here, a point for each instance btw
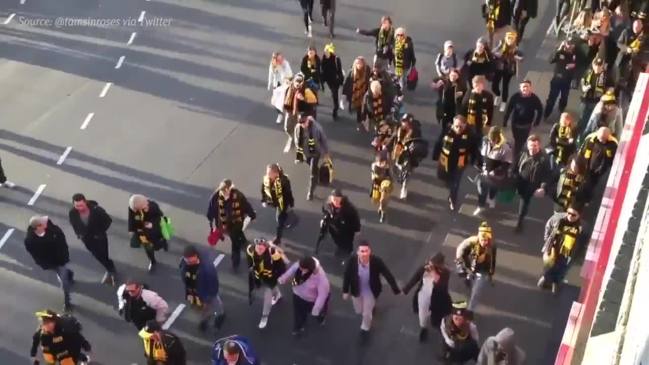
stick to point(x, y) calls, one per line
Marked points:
point(274, 187)
point(237, 216)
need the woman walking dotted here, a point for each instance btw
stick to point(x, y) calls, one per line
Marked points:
point(311, 69)
point(307, 10)
point(404, 55)
point(383, 40)
point(381, 183)
point(355, 86)
point(332, 75)
point(144, 217)
point(279, 75)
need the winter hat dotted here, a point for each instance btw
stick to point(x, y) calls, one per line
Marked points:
point(505, 337)
point(448, 44)
point(485, 230)
point(608, 97)
point(330, 48)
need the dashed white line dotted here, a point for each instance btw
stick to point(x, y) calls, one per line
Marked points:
point(218, 260)
point(6, 236)
point(104, 91)
point(131, 39)
point(173, 316)
point(11, 16)
point(64, 156)
point(86, 121)
point(22, 2)
point(141, 18)
point(37, 193)
point(119, 62)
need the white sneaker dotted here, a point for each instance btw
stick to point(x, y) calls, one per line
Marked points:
point(477, 211)
point(341, 105)
point(404, 192)
point(276, 298)
point(263, 322)
point(287, 147)
point(492, 203)
point(8, 184)
point(309, 33)
point(280, 118)
point(503, 106)
point(497, 101)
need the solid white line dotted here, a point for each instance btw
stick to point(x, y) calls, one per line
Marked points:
point(119, 62)
point(104, 91)
point(218, 260)
point(173, 316)
point(5, 238)
point(38, 193)
point(130, 40)
point(9, 18)
point(141, 18)
point(87, 120)
point(64, 156)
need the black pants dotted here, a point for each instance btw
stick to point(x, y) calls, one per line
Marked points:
point(238, 240)
point(334, 87)
point(329, 15)
point(150, 252)
point(562, 8)
point(280, 216)
point(519, 24)
point(314, 163)
point(307, 9)
point(301, 311)
point(344, 241)
point(559, 88)
point(503, 77)
point(3, 178)
point(453, 184)
point(98, 247)
point(520, 134)
point(526, 193)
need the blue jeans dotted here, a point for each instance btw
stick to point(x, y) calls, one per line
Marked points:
point(485, 189)
point(559, 89)
point(65, 279)
point(479, 282)
point(453, 184)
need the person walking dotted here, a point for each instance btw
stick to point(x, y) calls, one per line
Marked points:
point(381, 178)
point(299, 100)
point(311, 69)
point(311, 145)
point(606, 113)
point(532, 173)
point(524, 10)
point(598, 150)
point(60, 339)
point(198, 273)
point(446, 60)
point(234, 350)
point(161, 347)
point(355, 87)
point(227, 210)
point(593, 86)
point(501, 349)
point(498, 17)
point(431, 300)
point(311, 290)
point(307, 10)
point(563, 141)
point(404, 55)
point(525, 111)
point(497, 158)
point(90, 223)
point(361, 281)
point(46, 244)
point(475, 258)
point(565, 61)
point(478, 106)
point(139, 305)
point(279, 76)
point(507, 58)
point(332, 76)
point(3, 179)
point(560, 240)
point(276, 191)
point(329, 15)
point(383, 40)
point(378, 105)
point(266, 263)
point(460, 336)
point(342, 221)
point(453, 153)
point(478, 61)
point(144, 216)
point(451, 93)
point(570, 186)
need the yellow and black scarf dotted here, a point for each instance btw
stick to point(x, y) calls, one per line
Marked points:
point(236, 213)
point(359, 87)
point(276, 188)
point(400, 46)
point(377, 107)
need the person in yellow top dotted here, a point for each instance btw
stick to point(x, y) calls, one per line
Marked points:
point(381, 183)
point(561, 234)
point(161, 347)
point(60, 339)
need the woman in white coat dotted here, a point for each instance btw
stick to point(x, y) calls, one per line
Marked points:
point(279, 72)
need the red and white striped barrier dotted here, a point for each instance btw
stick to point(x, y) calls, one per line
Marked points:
point(581, 316)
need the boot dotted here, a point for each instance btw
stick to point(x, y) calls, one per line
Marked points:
point(335, 114)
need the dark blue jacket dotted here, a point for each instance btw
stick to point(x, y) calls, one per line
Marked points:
point(247, 357)
point(207, 285)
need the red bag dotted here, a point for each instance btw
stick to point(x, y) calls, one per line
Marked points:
point(215, 236)
point(412, 78)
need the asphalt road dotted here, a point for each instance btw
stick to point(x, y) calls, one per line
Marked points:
point(188, 107)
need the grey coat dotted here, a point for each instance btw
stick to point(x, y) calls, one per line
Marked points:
point(321, 143)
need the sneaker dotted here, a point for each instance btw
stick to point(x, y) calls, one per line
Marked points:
point(423, 334)
point(8, 184)
point(104, 279)
point(381, 216)
point(309, 196)
point(218, 321)
point(503, 106)
point(451, 206)
point(492, 203)
point(541, 282)
point(263, 322)
point(496, 100)
point(555, 288)
point(287, 146)
point(152, 266)
point(341, 105)
point(280, 119)
point(85, 359)
point(276, 298)
point(478, 211)
point(309, 32)
point(404, 192)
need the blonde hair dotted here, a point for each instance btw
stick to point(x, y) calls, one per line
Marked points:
point(136, 201)
point(375, 86)
point(225, 184)
point(401, 30)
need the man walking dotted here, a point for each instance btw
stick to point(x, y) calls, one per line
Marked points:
point(565, 62)
point(532, 172)
point(561, 234)
point(276, 191)
point(90, 223)
point(139, 305)
point(362, 281)
point(342, 222)
point(3, 179)
point(46, 243)
point(311, 144)
point(525, 110)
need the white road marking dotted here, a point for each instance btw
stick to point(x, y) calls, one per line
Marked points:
point(218, 260)
point(38, 193)
point(64, 156)
point(104, 91)
point(22, 2)
point(141, 18)
point(173, 316)
point(130, 40)
point(9, 18)
point(86, 121)
point(5, 238)
point(119, 62)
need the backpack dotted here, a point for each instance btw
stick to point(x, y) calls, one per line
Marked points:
point(70, 324)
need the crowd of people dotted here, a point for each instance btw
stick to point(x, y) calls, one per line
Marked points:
point(602, 63)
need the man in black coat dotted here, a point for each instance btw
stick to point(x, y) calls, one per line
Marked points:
point(533, 173)
point(524, 10)
point(276, 191)
point(343, 221)
point(90, 223)
point(46, 243)
point(362, 280)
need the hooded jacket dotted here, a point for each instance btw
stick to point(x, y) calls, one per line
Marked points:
point(492, 353)
point(614, 121)
point(247, 356)
point(149, 305)
point(207, 278)
point(315, 289)
point(98, 222)
point(49, 251)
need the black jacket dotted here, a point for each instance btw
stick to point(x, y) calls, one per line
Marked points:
point(484, 107)
point(49, 251)
point(273, 199)
point(98, 222)
point(561, 59)
point(312, 73)
point(504, 17)
point(69, 341)
point(136, 223)
point(533, 172)
point(351, 283)
point(344, 221)
point(383, 51)
point(523, 110)
point(173, 348)
point(348, 84)
point(530, 6)
point(440, 303)
point(213, 214)
point(331, 70)
point(449, 103)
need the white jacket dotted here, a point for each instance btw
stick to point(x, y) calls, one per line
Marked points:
point(277, 75)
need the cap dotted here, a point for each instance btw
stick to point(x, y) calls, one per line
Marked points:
point(461, 309)
point(329, 47)
point(46, 314)
point(448, 44)
point(152, 326)
point(485, 230)
point(608, 97)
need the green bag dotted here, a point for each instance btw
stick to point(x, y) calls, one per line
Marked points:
point(166, 228)
point(505, 196)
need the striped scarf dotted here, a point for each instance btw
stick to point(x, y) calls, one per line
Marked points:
point(400, 46)
point(359, 87)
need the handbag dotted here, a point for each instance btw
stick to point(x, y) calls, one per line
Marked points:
point(166, 228)
point(215, 236)
point(412, 78)
point(326, 172)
